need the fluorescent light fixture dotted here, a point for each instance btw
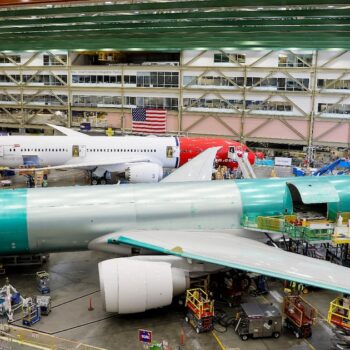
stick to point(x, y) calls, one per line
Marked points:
point(252, 42)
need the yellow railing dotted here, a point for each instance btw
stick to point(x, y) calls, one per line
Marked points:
point(291, 226)
point(271, 223)
point(339, 313)
point(199, 299)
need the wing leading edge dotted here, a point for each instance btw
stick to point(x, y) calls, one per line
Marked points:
point(230, 250)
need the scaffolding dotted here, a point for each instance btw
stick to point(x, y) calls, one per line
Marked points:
point(322, 239)
point(339, 313)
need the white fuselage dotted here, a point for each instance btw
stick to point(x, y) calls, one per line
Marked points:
point(16, 151)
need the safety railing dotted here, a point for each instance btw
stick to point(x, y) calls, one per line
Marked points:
point(289, 225)
point(339, 313)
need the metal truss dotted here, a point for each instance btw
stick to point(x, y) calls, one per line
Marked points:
point(21, 112)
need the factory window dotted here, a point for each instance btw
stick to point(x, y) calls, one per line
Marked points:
point(226, 58)
point(157, 79)
point(54, 60)
point(129, 79)
point(44, 79)
point(94, 101)
point(212, 103)
point(93, 79)
point(6, 79)
point(293, 85)
point(295, 60)
point(333, 84)
point(212, 81)
point(279, 83)
point(130, 101)
point(46, 99)
point(157, 102)
point(10, 59)
point(269, 106)
point(10, 98)
point(334, 108)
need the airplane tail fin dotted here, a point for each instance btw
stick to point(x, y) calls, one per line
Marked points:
point(66, 131)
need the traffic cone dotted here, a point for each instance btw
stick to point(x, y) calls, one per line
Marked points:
point(90, 305)
point(182, 337)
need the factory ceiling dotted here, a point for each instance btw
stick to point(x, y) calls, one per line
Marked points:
point(176, 25)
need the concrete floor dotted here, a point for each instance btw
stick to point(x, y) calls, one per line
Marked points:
point(74, 280)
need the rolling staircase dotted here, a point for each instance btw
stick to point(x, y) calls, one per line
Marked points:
point(245, 166)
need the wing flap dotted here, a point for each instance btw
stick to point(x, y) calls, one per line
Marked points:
point(230, 250)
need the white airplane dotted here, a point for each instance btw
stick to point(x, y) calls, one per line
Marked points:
point(142, 159)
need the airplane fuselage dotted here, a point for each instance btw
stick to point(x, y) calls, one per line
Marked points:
point(67, 219)
point(58, 150)
point(168, 152)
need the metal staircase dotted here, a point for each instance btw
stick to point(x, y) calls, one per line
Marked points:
point(245, 166)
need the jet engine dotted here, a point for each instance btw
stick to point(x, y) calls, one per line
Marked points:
point(144, 172)
point(131, 286)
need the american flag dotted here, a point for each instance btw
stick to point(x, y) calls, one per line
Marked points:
point(149, 121)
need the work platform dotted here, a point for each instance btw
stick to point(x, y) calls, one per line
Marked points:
point(324, 239)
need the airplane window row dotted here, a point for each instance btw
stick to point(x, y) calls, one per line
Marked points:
point(40, 150)
point(119, 150)
point(89, 150)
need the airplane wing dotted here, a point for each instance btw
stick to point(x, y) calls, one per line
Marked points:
point(230, 250)
point(199, 168)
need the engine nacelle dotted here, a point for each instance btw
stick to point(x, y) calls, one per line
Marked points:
point(144, 172)
point(131, 286)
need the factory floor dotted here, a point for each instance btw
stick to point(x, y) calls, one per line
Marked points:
point(74, 282)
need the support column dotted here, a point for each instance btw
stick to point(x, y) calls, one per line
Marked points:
point(180, 100)
point(313, 99)
point(122, 126)
point(69, 85)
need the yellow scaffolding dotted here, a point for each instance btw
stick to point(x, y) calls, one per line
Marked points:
point(339, 313)
point(197, 300)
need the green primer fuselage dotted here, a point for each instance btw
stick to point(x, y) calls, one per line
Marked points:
point(68, 218)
